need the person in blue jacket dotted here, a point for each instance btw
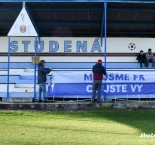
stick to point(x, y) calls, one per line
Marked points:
point(42, 72)
point(98, 72)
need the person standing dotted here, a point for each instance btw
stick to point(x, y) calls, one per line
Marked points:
point(42, 72)
point(142, 59)
point(150, 57)
point(98, 72)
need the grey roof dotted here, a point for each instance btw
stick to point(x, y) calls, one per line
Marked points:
point(84, 19)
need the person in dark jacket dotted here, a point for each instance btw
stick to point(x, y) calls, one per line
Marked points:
point(98, 72)
point(142, 59)
point(150, 58)
point(42, 72)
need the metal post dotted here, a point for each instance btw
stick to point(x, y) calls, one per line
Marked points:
point(8, 77)
point(35, 53)
point(101, 38)
point(105, 38)
point(105, 33)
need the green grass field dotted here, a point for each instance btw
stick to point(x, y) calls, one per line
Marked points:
point(77, 128)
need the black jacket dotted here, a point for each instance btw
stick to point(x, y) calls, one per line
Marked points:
point(42, 72)
point(141, 57)
point(98, 71)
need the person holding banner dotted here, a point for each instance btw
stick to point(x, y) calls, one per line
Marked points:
point(42, 72)
point(98, 72)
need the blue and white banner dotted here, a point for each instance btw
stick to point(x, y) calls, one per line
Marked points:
point(116, 82)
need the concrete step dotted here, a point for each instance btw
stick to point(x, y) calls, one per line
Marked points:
point(24, 85)
point(29, 70)
point(25, 81)
point(20, 100)
point(17, 72)
point(12, 71)
point(3, 87)
point(12, 79)
point(17, 94)
point(18, 87)
point(78, 106)
point(25, 90)
point(27, 77)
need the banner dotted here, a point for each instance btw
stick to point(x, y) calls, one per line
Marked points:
point(114, 83)
point(73, 44)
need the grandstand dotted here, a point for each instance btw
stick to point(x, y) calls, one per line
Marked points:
point(71, 38)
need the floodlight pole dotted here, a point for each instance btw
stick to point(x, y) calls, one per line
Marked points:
point(105, 33)
point(105, 39)
point(8, 77)
point(17, 30)
point(23, 4)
